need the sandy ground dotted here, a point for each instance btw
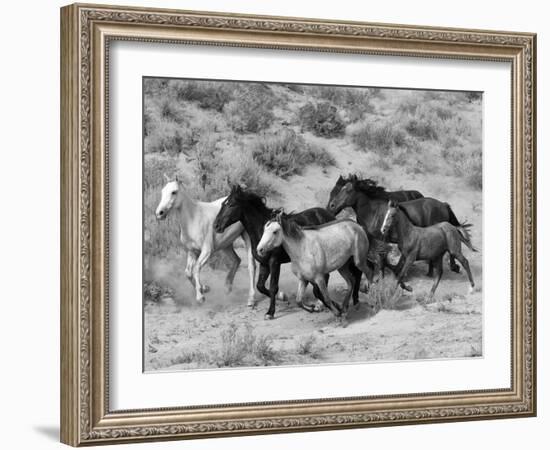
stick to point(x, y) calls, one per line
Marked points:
point(180, 334)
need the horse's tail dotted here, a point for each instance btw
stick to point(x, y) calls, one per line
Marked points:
point(452, 218)
point(465, 235)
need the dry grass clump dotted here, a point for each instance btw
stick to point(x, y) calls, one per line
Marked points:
point(154, 292)
point(466, 164)
point(286, 153)
point(381, 293)
point(242, 347)
point(321, 119)
point(353, 103)
point(207, 95)
point(251, 110)
point(308, 346)
point(379, 137)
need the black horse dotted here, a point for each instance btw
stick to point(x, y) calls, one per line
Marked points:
point(251, 210)
point(396, 196)
point(370, 203)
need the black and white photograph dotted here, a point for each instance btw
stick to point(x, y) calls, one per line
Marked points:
point(290, 224)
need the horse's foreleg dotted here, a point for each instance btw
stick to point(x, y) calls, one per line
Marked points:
point(251, 269)
point(191, 261)
point(262, 278)
point(234, 266)
point(205, 253)
point(408, 262)
point(397, 270)
point(274, 272)
point(300, 295)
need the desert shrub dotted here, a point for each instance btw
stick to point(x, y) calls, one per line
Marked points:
point(244, 347)
point(444, 112)
point(205, 159)
point(432, 116)
point(467, 164)
point(354, 101)
point(190, 357)
point(382, 291)
point(287, 153)
point(207, 94)
point(322, 119)
point(154, 292)
point(155, 168)
point(237, 169)
point(379, 138)
point(166, 136)
point(216, 171)
point(171, 110)
point(251, 110)
point(422, 128)
point(473, 96)
point(308, 346)
point(264, 351)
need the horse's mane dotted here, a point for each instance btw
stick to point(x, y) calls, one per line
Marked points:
point(290, 227)
point(367, 186)
point(249, 199)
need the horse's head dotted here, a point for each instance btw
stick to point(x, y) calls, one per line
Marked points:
point(272, 236)
point(169, 198)
point(345, 197)
point(231, 210)
point(389, 217)
point(336, 189)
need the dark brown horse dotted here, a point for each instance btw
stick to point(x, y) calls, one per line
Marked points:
point(426, 243)
point(398, 196)
point(370, 202)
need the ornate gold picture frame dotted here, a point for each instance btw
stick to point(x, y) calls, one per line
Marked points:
point(86, 34)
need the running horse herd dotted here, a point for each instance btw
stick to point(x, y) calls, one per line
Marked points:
point(315, 242)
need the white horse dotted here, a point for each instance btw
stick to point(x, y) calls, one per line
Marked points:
point(318, 250)
point(196, 222)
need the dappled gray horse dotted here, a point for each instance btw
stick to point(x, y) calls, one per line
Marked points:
point(318, 250)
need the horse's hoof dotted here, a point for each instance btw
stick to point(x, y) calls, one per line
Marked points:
point(204, 289)
point(251, 303)
point(318, 306)
point(269, 317)
point(471, 290)
point(228, 289)
point(201, 299)
point(282, 296)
